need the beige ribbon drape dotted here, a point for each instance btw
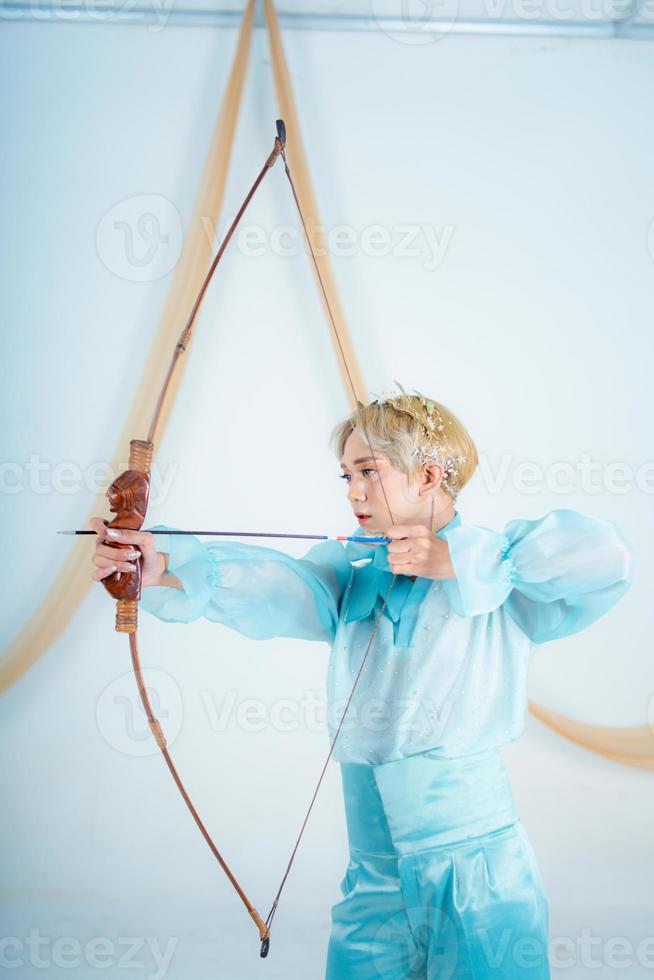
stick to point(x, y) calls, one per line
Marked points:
point(629, 746)
point(73, 580)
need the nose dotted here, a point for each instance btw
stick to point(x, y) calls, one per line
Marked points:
point(356, 494)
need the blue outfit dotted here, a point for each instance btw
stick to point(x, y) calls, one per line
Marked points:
point(442, 880)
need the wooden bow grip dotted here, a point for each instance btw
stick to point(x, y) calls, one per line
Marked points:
point(128, 500)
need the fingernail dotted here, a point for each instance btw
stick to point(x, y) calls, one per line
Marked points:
point(130, 566)
point(113, 533)
point(112, 568)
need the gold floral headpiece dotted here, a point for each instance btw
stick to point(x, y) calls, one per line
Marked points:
point(433, 426)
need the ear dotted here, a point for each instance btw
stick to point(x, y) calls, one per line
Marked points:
point(431, 477)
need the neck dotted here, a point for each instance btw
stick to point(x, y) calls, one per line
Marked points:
point(441, 514)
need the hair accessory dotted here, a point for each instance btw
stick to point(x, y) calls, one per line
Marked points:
point(434, 449)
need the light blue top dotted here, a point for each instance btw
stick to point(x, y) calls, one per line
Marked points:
point(447, 670)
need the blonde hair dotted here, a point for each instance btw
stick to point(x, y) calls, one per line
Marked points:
point(396, 429)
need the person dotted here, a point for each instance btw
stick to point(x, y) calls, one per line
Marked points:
point(439, 625)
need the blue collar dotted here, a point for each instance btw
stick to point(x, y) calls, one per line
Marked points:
point(371, 582)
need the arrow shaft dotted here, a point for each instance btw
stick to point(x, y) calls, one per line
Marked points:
point(255, 534)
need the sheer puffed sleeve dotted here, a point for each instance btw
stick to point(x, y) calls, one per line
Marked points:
point(555, 575)
point(258, 591)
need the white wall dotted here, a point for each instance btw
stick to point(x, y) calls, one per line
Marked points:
point(530, 161)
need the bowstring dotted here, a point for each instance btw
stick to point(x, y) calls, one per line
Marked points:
point(377, 622)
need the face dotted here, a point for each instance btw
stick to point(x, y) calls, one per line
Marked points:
point(409, 500)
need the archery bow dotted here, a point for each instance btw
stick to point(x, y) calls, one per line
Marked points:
point(128, 500)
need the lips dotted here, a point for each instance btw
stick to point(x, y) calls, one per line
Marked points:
point(362, 517)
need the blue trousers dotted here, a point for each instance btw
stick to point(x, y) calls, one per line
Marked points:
point(442, 880)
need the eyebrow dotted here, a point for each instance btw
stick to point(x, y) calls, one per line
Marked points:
point(362, 459)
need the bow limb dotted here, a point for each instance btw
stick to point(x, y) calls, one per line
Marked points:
point(160, 738)
point(128, 500)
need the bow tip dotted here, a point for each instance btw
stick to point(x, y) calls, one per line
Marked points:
point(265, 946)
point(281, 131)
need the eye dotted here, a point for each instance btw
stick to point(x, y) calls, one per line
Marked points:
point(346, 476)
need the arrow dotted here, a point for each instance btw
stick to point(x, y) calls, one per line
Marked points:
point(255, 534)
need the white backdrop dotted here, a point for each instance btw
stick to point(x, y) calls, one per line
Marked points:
point(521, 169)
